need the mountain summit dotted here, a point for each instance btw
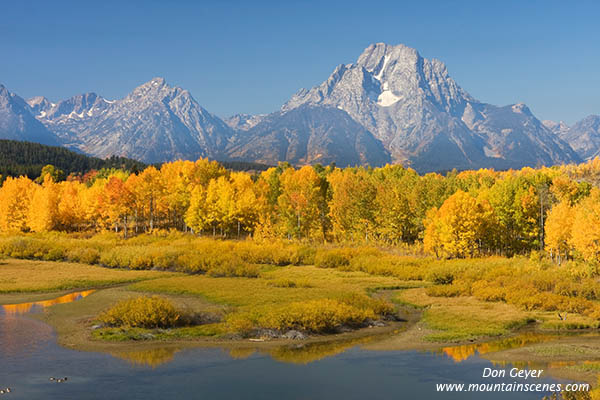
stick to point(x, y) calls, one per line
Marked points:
point(17, 122)
point(584, 137)
point(154, 123)
point(425, 119)
point(391, 105)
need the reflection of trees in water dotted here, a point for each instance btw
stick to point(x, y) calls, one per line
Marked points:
point(152, 357)
point(463, 352)
point(241, 353)
point(307, 353)
point(22, 308)
point(302, 353)
point(292, 353)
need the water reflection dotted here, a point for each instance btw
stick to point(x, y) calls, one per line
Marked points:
point(152, 357)
point(22, 337)
point(300, 353)
point(23, 308)
point(466, 351)
point(308, 353)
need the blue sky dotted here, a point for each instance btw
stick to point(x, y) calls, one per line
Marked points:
point(251, 56)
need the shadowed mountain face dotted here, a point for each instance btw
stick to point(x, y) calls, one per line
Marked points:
point(308, 135)
point(584, 137)
point(392, 105)
point(425, 119)
point(17, 122)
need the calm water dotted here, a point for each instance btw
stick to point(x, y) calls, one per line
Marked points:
point(29, 355)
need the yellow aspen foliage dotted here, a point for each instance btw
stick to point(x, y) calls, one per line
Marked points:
point(586, 227)
point(267, 190)
point(194, 216)
point(558, 229)
point(15, 198)
point(179, 179)
point(71, 214)
point(563, 188)
point(43, 213)
point(203, 171)
point(245, 208)
point(219, 202)
point(396, 205)
point(299, 203)
point(114, 202)
point(352, 204)
point(455, 229)
point(148, 195)
point(90, 203)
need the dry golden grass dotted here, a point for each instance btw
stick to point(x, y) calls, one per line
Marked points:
point(46, 276)
point(252, 293)
point(461, 318)
point(260, 302)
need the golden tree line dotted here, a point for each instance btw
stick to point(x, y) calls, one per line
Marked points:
point(459, 214)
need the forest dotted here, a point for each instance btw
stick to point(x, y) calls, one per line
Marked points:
point(554, 210)
point(25, 158)
point(19, 158)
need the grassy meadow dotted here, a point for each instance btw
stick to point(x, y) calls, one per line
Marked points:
point(252, 286)
point(158, 293)
point(33, 276)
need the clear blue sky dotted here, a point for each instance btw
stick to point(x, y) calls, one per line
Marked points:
point(251, 56)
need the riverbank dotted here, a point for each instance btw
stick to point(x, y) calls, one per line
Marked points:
point(454, 326)
point(562, 356)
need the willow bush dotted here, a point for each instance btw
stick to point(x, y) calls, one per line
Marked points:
point(142, 312)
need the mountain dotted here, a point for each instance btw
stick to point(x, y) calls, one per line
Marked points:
point(558, 128)
point(154, 123)
point(584, 137)
point(243, 122)
point(17, 122)
point(309, 135)
point(425, 119)
point(391, 105)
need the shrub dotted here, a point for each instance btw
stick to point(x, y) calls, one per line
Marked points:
point(216, 264)
point(234, 267)
point(379, 307)
point(482, 290)
point(288, 283)
point(444, 291)
point(240, 323)
point(142, 312)
point(442, 274)
point(276, 253)
point(84, 255)
point(317, 316)
point(333, 258)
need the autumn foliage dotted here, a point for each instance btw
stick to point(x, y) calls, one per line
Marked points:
point(456, 215)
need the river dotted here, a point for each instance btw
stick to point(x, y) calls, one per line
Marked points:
point(30, 356)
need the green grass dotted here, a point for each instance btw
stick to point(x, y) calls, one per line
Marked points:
point(558, 350)
point(586, 366)
point(276, 294)
point(268, 284)
point(459, 319)
point(246, 292)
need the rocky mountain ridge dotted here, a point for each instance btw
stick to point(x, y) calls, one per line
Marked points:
point(391, 105)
